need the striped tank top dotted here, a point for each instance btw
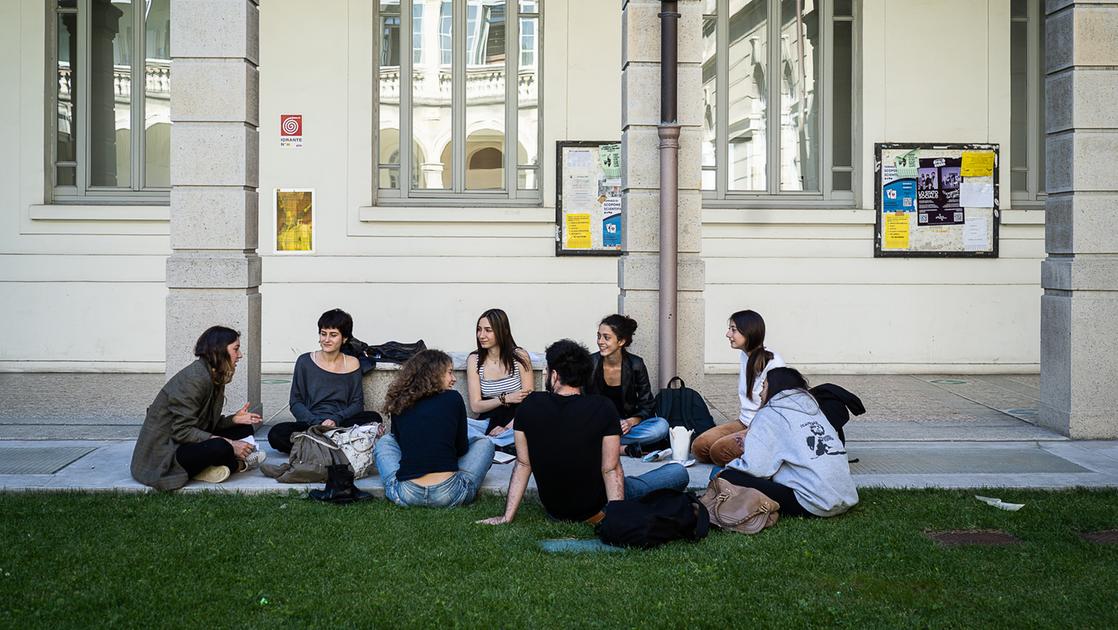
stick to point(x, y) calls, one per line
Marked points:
point(496, 387)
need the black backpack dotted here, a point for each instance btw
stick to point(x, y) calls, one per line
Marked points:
point(658, 517)
point(683, 407)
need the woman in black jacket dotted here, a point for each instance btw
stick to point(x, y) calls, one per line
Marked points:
point(622, 377)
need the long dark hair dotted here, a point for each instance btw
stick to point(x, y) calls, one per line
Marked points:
point(752, 326)
point(421, 376)
point(506, 345)
point(782, 379)
point(213, 348)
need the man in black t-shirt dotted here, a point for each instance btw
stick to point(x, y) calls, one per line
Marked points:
point(572, 442)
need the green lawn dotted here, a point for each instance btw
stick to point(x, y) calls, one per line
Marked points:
point(280, 561)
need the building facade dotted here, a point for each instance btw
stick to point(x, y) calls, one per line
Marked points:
point(428, 133)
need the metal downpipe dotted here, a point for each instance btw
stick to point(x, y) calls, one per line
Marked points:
point(668, 132)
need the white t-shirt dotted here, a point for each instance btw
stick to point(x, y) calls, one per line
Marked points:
point(751, 401)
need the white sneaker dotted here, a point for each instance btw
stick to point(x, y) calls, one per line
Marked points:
point(254, 459)
point(213, 474)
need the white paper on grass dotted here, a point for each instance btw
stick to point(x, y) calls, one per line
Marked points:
point(974, 233)
point(976, 194)
point(998, 503)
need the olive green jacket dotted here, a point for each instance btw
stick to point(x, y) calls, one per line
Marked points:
point(186, 411)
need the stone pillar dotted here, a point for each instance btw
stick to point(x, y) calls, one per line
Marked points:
point(1079, 309)
point(213, 274)
point(638, 268)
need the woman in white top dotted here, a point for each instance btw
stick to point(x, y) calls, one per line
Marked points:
point(498, 376)
point(746, 333)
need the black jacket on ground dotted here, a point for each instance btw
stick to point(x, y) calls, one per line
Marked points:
point(635, 388)
point(837, 404)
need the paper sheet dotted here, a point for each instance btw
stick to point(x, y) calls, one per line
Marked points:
point(975, 234)
point(976, 194)
point(906, 165)
point(578, 231)
point(896, 230)
point(978, 163)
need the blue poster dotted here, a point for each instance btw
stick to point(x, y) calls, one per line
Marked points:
point(611, 231)
point(899, 196)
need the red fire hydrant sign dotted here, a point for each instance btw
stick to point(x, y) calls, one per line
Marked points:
point(291, 131)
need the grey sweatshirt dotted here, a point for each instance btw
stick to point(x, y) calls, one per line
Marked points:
point(318, 395)
point(791, 441)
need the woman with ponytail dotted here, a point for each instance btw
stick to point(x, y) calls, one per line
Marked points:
point(746, 334)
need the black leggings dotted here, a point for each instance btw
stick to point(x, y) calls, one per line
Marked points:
point(198, 456)
point(280, 435)
point(780, 493)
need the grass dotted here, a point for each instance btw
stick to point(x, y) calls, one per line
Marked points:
point(280, 561)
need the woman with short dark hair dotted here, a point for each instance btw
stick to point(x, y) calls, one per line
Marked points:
point(184, 434)
point(622, 377)
point(326, 386)
point(428, 459)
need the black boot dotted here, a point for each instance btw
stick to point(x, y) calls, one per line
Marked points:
point(339, 487)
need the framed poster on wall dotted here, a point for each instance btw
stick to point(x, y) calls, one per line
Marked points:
point(294, 212)
point(587, 198)
point(936, 200)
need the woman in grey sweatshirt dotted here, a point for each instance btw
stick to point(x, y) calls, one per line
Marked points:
point(792, 454)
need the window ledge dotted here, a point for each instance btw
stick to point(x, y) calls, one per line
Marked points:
point(1023, 216)
point(463, 214)
point(55, 212)
point(790, 216)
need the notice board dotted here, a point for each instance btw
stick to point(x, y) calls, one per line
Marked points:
point(588, 198)
point(936, 200)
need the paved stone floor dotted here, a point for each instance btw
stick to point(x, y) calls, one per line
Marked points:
point(75, 431)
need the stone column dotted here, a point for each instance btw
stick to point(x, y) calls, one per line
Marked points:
point(1079, 309)
point(638, 269)
point(213, 274)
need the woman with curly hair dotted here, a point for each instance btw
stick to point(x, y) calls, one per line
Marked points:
point(184, 435)
point(427, 459)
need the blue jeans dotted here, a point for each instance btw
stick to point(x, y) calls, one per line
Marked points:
point(671, 475)
point(476, 429)
point(648, 431)
point(459, 489)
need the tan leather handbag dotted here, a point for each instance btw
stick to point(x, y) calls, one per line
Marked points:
point(739, 509)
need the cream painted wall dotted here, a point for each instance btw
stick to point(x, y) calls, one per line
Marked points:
point(828, 304)
point(410, 273)
point(94, 276)
point(80, 288)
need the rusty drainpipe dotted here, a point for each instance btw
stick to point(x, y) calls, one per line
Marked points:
point(668, 131)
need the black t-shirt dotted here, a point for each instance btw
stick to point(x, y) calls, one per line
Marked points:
point(613, 392)
point(564, 436)
point(432, 435)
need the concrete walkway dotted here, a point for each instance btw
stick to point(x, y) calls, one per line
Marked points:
point(76, 432)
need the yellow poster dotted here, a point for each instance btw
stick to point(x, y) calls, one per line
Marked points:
point(578, 231)
point(896, 230)
point(294, 220)
point(977, 164)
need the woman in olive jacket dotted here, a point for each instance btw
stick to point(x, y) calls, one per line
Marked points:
point(623, 378)
point(184, 435)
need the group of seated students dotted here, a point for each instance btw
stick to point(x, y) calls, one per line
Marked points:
point(570, 437)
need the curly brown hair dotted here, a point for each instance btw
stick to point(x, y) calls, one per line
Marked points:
point(420, 377)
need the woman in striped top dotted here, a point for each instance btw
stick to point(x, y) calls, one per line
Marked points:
point(498, 376)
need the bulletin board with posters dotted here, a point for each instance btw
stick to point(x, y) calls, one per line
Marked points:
point(936, 200)
point(588, 198)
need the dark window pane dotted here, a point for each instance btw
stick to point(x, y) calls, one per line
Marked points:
point(110, 93)
point(65, 176)
point(841, 180)
point(157, 94)
point(842, 111)
point(844, 8)
point(67, 88)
